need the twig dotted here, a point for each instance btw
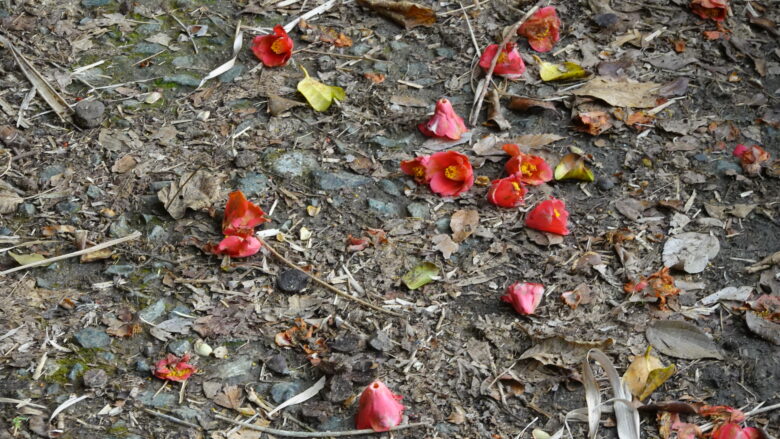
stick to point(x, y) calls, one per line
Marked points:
point(150, 57)
point(316, 11)
point(482, 91)
point(187, 30)
point(93, 249)
point(287, 433)
point(321, 282)
point(462, 8)
point(173, 419)
point(471, 31)
point(10, 160)
point(340, 55)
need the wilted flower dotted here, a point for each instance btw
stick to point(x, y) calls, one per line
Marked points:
point(752, 159)
point(173, 368)
point(237, 246)
point(509, 64)
point(542, 29)
point(357, 244)
point(417, 168)
point(444, 123)
point(507, 192)
point(274, 49)
point(710, 9)
point(449, 173)
point(549, 216)
point(734, 431)
point(531, 169)
point(241, 215)
point(524, 296)
point(739, 150)
point(379, 408)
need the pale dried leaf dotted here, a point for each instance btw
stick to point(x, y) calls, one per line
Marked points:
point(681, 340)
point(536, 140)
point(195, 192)
point(463, 223)
point(620, 93)
point(445, 245)
point(301, 397)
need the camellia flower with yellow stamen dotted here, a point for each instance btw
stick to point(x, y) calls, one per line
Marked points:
point(449, 173)
point(549, 216)
point(507, 192)
point(416, 168)
point(532, 170)
point(542, 29)
point(173, 368)
point(444, 123)
point(509, 64)
point(275, 49)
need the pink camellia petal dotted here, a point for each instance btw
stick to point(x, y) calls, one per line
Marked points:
point(532, 170)
point(450, 173)
point(238, 246)
point(509, 65)
point(739, 150)
point(444, 123)
point(524, 296)
point(379, 408)
point(241, 215)
point(734, 431)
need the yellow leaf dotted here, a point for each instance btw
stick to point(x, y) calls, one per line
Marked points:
point(27, 259)
point(645, 374)
point(319, 95)
point(655, 379)
point(572, 167)
point(560, 72)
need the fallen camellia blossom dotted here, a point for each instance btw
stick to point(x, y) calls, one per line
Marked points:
point(710, 9)
point(357, 244)
point(379, 408)
point(532, 170)
point(524, 297)
point(417, 168)
point(752, 158)
point(444, 123)
point(542, 29)
point(237, 246)
point(509, 65)
point(449, 173)
point(241, 215)
point(592, 122)
point(739, 150)
point(275, 49)
point(507, 192)
point(173, 368)
point(661, 285)
point(549, 216)
point(734, 431)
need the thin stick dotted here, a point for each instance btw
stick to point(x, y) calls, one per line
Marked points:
point(93, 249)
point(150, 57)
point(328, 286)
point(482, 91)
point(10, 160)
point(340, 55)
point(173, 419)
point(471, 31)
point(187, 30)
point(287, 433)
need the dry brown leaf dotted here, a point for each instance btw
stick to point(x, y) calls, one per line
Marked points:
point(229, 397)
point(592, 122)
point(562, 352)
point(404, 13)
point(463, 224)
point(458, 415)
point(49, 231)
point(637, 376)
point(536, 140)
point(494, 115)
point(9, 201)
point(620, 93)
point(97, 255)
point(445, 245)
point(278, 105)
point(314, 33)
point(194, 190)
point(518, 103)
point(124, 164)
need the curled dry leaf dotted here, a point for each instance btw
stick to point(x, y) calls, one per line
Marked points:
point(445, 245)
point(9, 201)
point(645, 374)
point(404, 13)
point(572, 167)
point(420, 275)
point(494, 115)
point(592, 122)
point(762, 327)
point(314, 33)
point(620, 93)
point(639, 120)
point(521, 104)
point(580, 295)
point(463, 224)
point(278, 105)
point(194, 190)
point(567, 71)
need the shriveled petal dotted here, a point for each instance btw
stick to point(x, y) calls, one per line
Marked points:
point(416, 168)
point(241, 215)
point(238, 246)
point(507, 192)
point(444, 123)
point(524, 296)
point(509, 65)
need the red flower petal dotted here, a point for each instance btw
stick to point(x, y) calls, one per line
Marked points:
point(273, 50)
point(379, 408)
point(238, 246)
point(734, 431)
point(509, 65)
point(524, 296)
point(542, 29)
point(507, 192)
point(549, 216)
point(241, 216)
point(532, 169)
point(417, 168)
point(173, 368)
point(710, 9)
point(450, 173)
point(444, 123)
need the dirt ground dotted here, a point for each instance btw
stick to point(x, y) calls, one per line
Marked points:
point(465, 363)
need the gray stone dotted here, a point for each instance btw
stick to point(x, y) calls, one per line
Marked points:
point(382, 66)
point(66, 207)
point(188, 413)
point(94, 192)
point(142, 365)
point(120, 269)
point(49, 172)
point(281, 392)
point(158, 185)
point(146, 48)
point(107, 357)
point(153, 312)
point(183, 61)
point(329, 181)
point(292, 281)
point(398, 46)
point(722, 166)
point(5, 231)
point(162, 399)
point(235, 368)
point(95, 378)
point(445, 52)
point(89, 114)
point(120, 228)
point(246, 159)
point(340, 388)
point(605, 183)
point(360, 49)
point(384, 208)
point(158, 234)
point(76, 371)
point(380, 341)
point(701, 157)
point(179, 347)
point(326, 63)
point(232, 74)
point(26, 209)
point(294, 164)
point(278, 364)
point(443, 225)
point(253, 184)
point(94, 3)
point(183, 79)
point(92, 338)
point(418, 210)
point(348, 343)
point(149, 28)
point(389, 187)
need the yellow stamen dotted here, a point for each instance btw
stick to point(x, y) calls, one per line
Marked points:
point(556, 213)
point(278, 46)
point(501, 58)
point(419, 171)
point(516, 186)
point(452, 172)
point(528, 168)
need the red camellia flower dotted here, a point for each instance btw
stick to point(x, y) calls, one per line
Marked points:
point(524, 297)
point(173, 368)
point(449, 173)
point(241, 215)
point(710, 9)
point(237, 246)
point(739, 150)
point(549, 216)
point(734, 431)
point(275, 49)
point(444, 123)
point(417, 168)
point(753, 159)
point(531, 169)
point(379, 408)
point(542, 29)
point(509, 65)
point(507, 192)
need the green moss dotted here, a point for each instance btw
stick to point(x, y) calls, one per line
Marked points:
point(87, 358)
point(118, 430)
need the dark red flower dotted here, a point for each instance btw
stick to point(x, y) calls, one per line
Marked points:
point(379, 408)
point(507, 192)
point(549, 216)
point(510, 64)
point(173, 368)
point(238, 246)
point(417, 168)
point(449, 173)
point(274, 49)
point(710, 9)
point(444, 123)
point(542, 29)
point(241, 216)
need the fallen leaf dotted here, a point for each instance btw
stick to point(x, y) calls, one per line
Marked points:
point(404, 13)
point(194, 190)
point(124, 164)
point(463, 223)
point(638, 375)
point(445, 245)
point(562, 352)
point(678, 87)
point(314, 33)
point(494, 115)
point(580, 295)
point(517, 103)
point(9, 201)
point(377, 78)
point(97, 255)
point(278, 105)
point(737, 294)
point(560, 72)
point(27, 259)
point(177, 325)
point(639, 120)
point(420, 275)
point(592, 122)
point(229, 397)
point(572, 167)
point(681, 340)
point(458, 415)
point(49, 231)
point(762, 327)
point(317, 94)
point(620, 93)
point(690, 251)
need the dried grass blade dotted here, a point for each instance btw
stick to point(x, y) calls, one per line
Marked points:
point(592, 397)
point(66, 404)
point(238, 41)
point(301, 397)
point(626, 414)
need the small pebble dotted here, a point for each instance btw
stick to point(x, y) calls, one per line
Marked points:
point(278, 364)
point(95, 378)
point(89, 114)
point(292, 281)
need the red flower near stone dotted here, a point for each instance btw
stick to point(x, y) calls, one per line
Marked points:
point(734, 431)
point(549, 216)
point(449, 173)
point(507, 192)
point(241, 215)
point(379, 408)
point(509, 65)
point(237, 246)
point(710, 9)
point(531, 169)
point(173, 368)
point(275, 49)
point(524, 297)
point(444, 123)
point(753, 159)
point(542, 29)
point(417, 168)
